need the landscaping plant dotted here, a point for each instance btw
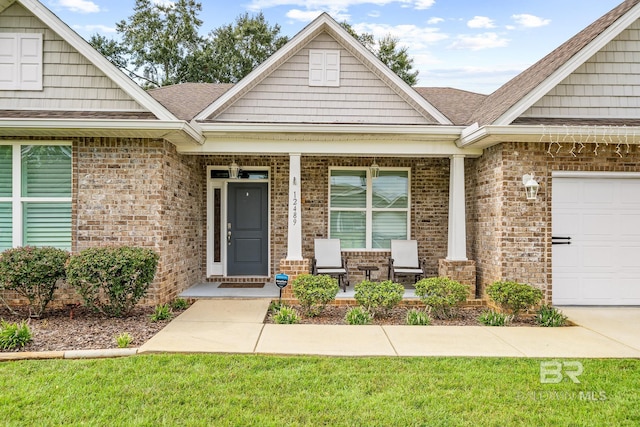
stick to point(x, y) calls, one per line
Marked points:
point(550, 317)
point(33, 273)
point(124, 339)
point(417, 317)
point(112, 280)
point(378, 298)
point(286, 315)
point(13, 335)
point(358, 316)
point(514, 297)
point(314, 292)
point(494, 318)
point(161, 312)
point(441, 294)
point(179, 304)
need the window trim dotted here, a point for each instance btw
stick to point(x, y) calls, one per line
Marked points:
point(369, 209)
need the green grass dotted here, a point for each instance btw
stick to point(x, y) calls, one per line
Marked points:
point(276, 391)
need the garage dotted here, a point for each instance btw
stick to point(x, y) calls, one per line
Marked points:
point(596, 238)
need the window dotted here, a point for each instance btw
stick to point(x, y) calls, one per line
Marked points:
point(324, 67)
point(20, 61)
point(366, 213)
point(35, 196)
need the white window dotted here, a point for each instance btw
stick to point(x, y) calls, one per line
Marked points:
point(324, 67)
point(366, 213)
point(35, 196)
point(20, 61)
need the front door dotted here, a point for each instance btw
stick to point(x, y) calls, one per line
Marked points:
point(247, 229)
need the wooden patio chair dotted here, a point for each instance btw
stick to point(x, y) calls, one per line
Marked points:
point(404, 260)
point(329, 260)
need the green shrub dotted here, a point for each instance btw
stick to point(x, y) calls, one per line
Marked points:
point(378, 297)
point(179, 304)
point(441, 294)
point(33, 273)
point(358, 316)
point(124, 339)
point(514, 297)
point(494, 318)
point(161, 312)
point(549, 316)
point(417, 317)
point(14, 335)
point(112, 280)
point(286, 315)
point(314, 292)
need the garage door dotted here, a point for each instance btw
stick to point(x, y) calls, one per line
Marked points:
point(601, 216)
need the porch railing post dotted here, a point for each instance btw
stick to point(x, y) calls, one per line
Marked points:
point(457, 245)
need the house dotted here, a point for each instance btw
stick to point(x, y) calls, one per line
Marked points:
point(236, 181)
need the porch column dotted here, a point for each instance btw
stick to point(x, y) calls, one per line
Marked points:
point(457, 249)
point(294, 239)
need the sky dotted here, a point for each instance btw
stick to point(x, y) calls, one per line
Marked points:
point(475, 45)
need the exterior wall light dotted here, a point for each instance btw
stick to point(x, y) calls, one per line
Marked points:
point(233, 170)
point(531, 186)
point(374, 169)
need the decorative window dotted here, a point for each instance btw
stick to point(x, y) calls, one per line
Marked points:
point(35, 196)
point(20, 61)
point(367, 213)
point(324, 67)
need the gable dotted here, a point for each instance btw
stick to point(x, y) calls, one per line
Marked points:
point(70, 82)
point(287, 96)
point(607, 86)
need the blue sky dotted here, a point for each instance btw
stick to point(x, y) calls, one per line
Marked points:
point(475, 45)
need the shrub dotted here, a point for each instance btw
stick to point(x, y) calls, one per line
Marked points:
point(33, 273)
point(514, 297)
point(14, 335)
point(124, 339)
point(286, 315)
point(418, 317)
point(161, 312)
point(179, 304)
point(494, 318)
point(358, 316)
point(441, 294)
point(378, 297)
point(314, 292)
point(112, 280)
point(549, 316)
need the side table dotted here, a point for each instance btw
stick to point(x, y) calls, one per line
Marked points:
point(367, 270)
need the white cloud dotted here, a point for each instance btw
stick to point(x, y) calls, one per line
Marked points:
point(411, 36)
point(481, 22)
point(530, 21)
point(424, 4)
point(374, 14)
point(92, 29)
point(79, 6)
point(479, 42)
point(435, 21)
point(303, 15)
point(476, 79)
point(333, 6)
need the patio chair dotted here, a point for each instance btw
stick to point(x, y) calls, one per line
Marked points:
point(404, 260)
point(328, 260)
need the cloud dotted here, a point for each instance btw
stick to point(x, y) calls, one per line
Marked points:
point(479, 42)
point(303, 15)
point(79, 6)
point(530, 21)
point(476, 79)
point(98, 28)
point(411, 36)
point(335, 6)
point(424, 4)
point(435, 21)
point(481, 22)
point(374, 14)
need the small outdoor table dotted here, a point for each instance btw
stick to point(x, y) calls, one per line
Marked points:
point(367, 270)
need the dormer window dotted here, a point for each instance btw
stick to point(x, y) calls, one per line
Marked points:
point(20, 61)
point(324, 67)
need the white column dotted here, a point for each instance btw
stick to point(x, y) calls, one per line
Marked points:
point(294, 239)
point(457, 250)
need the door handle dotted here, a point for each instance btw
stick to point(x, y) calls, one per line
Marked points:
point(556, 240)
point(228, 234)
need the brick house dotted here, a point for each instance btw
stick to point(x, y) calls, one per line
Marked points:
point(88, 158)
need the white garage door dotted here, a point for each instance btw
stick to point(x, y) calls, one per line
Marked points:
point(601, 215)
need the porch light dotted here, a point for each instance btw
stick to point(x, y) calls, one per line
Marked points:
point(233, 170)
point(531, 186)
point(374, 169)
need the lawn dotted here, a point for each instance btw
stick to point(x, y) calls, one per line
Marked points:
point(244, 390)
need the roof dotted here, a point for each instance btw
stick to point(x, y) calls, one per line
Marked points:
point(186, 100)
point(456, 104)
point(499, 102)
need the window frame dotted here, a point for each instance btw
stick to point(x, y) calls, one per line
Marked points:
point(17, 200)
point(369, 209)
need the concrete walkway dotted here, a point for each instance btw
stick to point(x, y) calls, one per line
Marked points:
point(235, 326)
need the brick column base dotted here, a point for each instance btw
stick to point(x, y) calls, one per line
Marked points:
point(460, 271)
point(293, 269)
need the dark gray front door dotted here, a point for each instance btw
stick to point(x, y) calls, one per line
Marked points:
point(247, 229)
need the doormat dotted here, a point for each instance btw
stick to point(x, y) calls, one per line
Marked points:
point(242, 285)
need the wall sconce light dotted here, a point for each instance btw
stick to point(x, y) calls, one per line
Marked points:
point(233, 170)
point(531, 186)
point(374, 169)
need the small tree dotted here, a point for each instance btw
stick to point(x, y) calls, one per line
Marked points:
point(514, 297)
point(33, 272)
point(441, 294)
point(314, 292)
